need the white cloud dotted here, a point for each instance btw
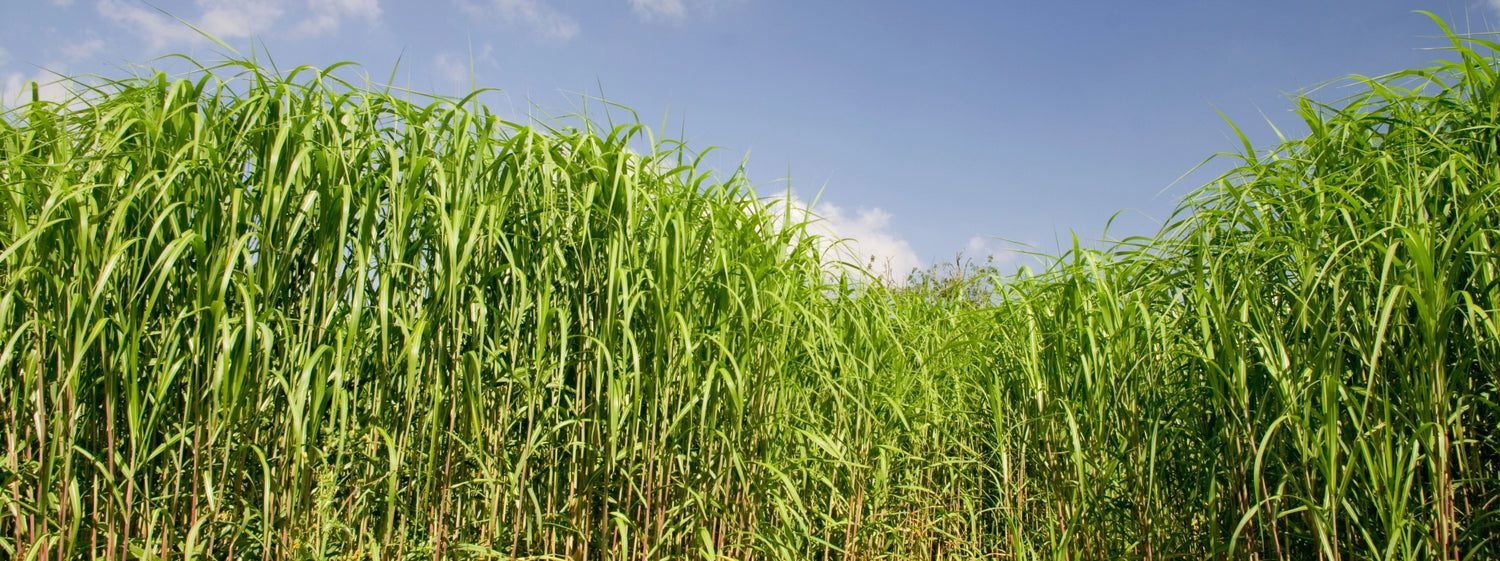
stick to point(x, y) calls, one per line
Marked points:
point(327, 14)
point(668, 9)
point(238, 18)
point(62, 3)
point(461, 70)
point(83, 49)
point(156, 28)
point(15, 88)
point(452, 68)
point(676, 10)
point(536, 14)
point(863, 237)
point(487, 55)
point(235, 19)
point(161, 30)
point(994, 251)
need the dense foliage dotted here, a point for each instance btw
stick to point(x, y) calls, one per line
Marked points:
point(257, 316)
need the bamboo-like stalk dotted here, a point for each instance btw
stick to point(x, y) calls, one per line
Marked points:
point(258, 316)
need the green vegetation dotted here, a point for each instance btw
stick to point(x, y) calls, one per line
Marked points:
point(258, 316)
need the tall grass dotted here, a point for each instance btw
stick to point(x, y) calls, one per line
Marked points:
point(1302, 365)
point(250, 315)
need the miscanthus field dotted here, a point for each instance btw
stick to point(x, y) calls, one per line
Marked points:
point(248, 314)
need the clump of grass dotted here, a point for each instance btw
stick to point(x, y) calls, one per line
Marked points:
point(275, 316)
point(1300, 366)
point(258, 316)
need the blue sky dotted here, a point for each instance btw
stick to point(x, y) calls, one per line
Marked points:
point(928, 128)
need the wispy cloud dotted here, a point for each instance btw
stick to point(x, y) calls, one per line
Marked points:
point(86, 48)
point(536, 14)
point(328, 14)
point(235, 19)
point(993, 251)
point(239, 18)
point(452, 68)
point(15, 87)
point(157, 29)
point(461, 71)
point(677, 11)
point(863, 237)
point(664, 9)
